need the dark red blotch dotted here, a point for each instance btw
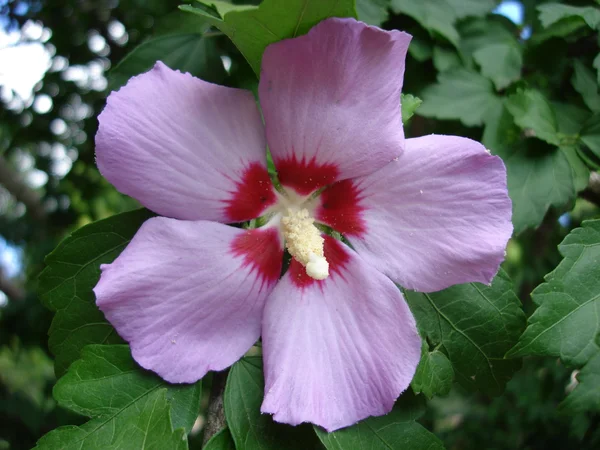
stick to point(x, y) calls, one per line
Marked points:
point(253, 194)
point(262, 252)
point(340, 208)
point(305, 176)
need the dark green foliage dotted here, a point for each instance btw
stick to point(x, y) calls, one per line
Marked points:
point(396, 430)
point(569, 305)
point(73, 269)
point(250, 429)
point(529, 91)
point(129, 407)
point(473, 326)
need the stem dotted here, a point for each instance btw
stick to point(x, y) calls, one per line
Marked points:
point(215, 414)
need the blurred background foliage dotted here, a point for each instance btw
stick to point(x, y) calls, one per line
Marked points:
point(477, 64)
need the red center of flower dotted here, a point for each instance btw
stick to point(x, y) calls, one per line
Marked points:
point(253, 194)
point(262, 251)
point(341, 209)
point(305, 176)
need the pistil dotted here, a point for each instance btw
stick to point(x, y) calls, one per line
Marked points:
point(305, 243)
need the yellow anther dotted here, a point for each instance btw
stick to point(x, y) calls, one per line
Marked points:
point(305, 243)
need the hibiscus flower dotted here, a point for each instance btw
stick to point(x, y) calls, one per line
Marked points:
point(192, 294)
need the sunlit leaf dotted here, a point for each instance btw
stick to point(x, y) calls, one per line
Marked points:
point(470, 8)
point(459, 94)
point(501, 63)
point(252, 29)
point(410, 103)
point(551, 13)
point(445, 59)
point(533, 113)
point(434, 15)
point(373, 12)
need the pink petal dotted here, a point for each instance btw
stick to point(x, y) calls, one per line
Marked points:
point(339, 350)
point(331, 102)
point(185, 148)
point(439, 215)
point(189, 296)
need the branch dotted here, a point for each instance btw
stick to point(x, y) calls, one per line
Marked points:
point(215, 414)
point(19, 190)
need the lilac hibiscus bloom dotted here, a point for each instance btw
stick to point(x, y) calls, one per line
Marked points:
point(191, 294)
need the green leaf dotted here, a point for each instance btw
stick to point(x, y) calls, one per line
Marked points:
point(537, 180)
point(533, 113)
point(72, 271)
point(561, 21)
point(479, 33)
point(596, 65)
point(551, 13)
point(222, 7)
point(445, 59)
point(470, 8)
point(459, 94)
point(128, 406)
point(410, 103)
point(561, 29)
point(373, 12)
point(474, 325)
point(501, 63)
point(570, 119)
point(220, 441)
point(180, 47)
point(590, 134)
point(437, 16)
point(434, 375)
point(580, 173)
point(538, 176)
point(396, 430)
point(567, 321)
point(87, 390)
point(420, 49)
point(586, 395)
point(252, 29)
point(584, 82)
point(493, 46)
point(250, 429)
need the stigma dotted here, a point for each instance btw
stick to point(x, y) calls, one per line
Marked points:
point(305, 243)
